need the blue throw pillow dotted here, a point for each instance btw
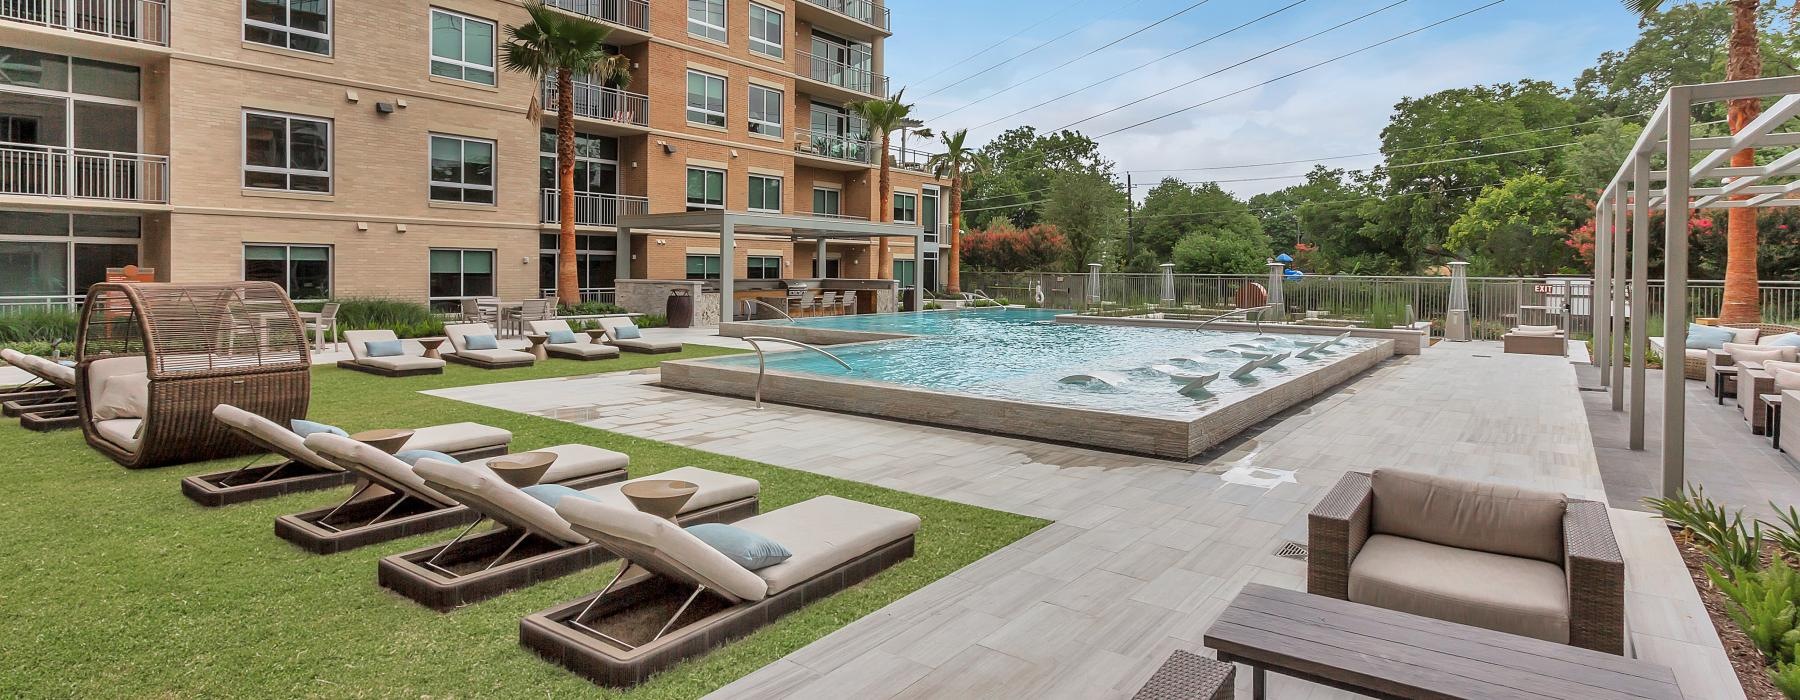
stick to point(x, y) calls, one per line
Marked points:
point(562, 337)
point(480, 342)
point(748, 549)
point(626, 331)
point(66, 363)
point(384, 348)
point(1783, 340)
point(304, 428)
point(412, 457)
point(1708, 337)
point(551, 494)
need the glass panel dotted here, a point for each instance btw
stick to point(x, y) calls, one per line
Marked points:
point(33, 223)
point(269, 11)
point(446, 261)
point(696, 185)
point(265, 252)
point(32, 69)
point(92, 259)
point(265, 141)
point(312, 144)
point(446, 36)
point(106, 79)
point(547, 271)
point(310, 15)
point(310, 273)
point(298, 42)
point(479, 156)
point(105, 226)
point(307, 252)
point(475, 261)
point(478, 43)
point(446, 160)
point(34, 269)
point(106, 127)
point(33, 120)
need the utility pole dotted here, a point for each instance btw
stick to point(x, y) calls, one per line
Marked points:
point(1130, 214)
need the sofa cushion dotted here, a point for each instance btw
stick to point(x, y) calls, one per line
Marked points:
point(1780, 340)
point(1746, 336)
point(823, 533)
point(121, 431)
point(1482, 516)
point(1507, 594)
point(750, 550)
point(1710, 337)
point(1785, 379)
point(122, 396)
point(1761, 353)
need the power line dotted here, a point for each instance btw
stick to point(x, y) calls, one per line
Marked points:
point(1002, 42)
point(1389, 167)
point(986, 70)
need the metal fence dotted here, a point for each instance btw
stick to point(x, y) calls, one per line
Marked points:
point(129, 20)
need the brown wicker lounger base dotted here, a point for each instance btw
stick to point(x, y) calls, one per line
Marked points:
point(404, 517)
point(255, 483)
point(385, 372)
point(650, 351)
point(484, 364)
point(58, 417)
point(641, 602)
point(17, 403)
point(459, 578)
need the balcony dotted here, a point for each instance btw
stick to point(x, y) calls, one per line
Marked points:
point(593, 209)
point(75, 173)
point(838, 80)
point(604, 104)
point(851, 17)
point(910, 159)
point(633, 16)
point(834, 151)
point(142, 21)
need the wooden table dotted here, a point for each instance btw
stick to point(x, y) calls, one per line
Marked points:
point(384, 439)
point(522, 469)
point(1386, 654)
point(662, 498)
point(431, 346)
point(537, 345)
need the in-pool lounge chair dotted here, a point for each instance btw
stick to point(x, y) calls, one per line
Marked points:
point(401, 365)
point(305, 470)
point(580, 349)
point(533, 543)
point(644, 345)
point(393, 502)
point(459, 334)
point(675, 596)
point(47, 401)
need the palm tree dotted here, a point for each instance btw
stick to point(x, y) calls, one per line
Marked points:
point(957, 162)
point(558, 45)
point(1743, 61)
point(884, 117)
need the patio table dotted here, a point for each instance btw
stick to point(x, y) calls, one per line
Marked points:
point(662, 498)
point(597, 336)
point(537, 345)
point(1772, 418)
point(431, 346)
point(385, 439)
point(1719, 375)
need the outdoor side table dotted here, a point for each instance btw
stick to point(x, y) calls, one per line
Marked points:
point(1719, 375)
point(537, 345)
point(1772, 418)
point(385, 439)
point(662, 498)
point(597, 335)
point(522, 469)
point(431, 346)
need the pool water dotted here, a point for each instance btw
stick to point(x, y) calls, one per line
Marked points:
point(1023, 355)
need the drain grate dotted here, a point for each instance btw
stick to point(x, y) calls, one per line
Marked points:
point(1292, 550)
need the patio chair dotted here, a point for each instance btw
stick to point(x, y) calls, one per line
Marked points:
point(46, 401)
point(1694, 360)
point(1535, 340)
point(402, 365)
point(514, 320)
point(493, 358)
point(326, 323)
point(625, 633)
point(828, 302)
point(1531, 563)
point(305, 470)
point(532, 543)
point(848, 302)
point(392, 502)
point(580, 348)
point(644, 345)
point(807, 303)
point(471, 311)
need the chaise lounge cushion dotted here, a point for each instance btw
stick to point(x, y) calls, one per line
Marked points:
point(823, 533)
point(56, 373)
point(1509, 594)
point(584, 350)
point(266, 432)
point(380, 467)
point(662, 546)
point(457, 437)
point(483, 490)
point(1761, 353)
point(1482, 516)
point(576, 462)
point(1540, 331)
point(401, 363)
point(120, 431)
point(613, 324)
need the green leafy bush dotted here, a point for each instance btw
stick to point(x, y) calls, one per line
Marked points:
point(933, 306)
point(587, 308)
point(1766, 604)
point(407, 319)
point(651, 321)
point(1787, 532)
point(1727, 542)
point(1786, 678)
point(42, 348)
point(41, 324)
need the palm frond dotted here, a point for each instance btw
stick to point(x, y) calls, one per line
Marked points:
point(1643, 7)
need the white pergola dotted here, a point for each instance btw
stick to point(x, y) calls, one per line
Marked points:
point(1696, 171)
point(728, 224)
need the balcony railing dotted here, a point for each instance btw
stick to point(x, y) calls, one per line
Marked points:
point(594, 209)
point(859, 10)
point(626, 13)
point(844, 75)
point(144, 21)
point(54, 171)
point(604, 295)
point(910, 159)
point(603, 103)
point(826, 145)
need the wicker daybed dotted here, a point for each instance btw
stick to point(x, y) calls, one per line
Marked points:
point(153, 359)
point(1694, 362)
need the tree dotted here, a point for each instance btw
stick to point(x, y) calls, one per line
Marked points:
point(1520, 228)
point(958, 162)
point(1007, 248)
point(1174, 211)
point(1024, 163)
point(561, 45)
point(1682, 46)
point(1212, 253)
point(1090, 211)
point(884, 117)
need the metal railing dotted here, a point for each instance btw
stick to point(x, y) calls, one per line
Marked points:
point(76, 173)
point(602, 103)
point(835, 146)
point(844, 75)
point(871, 13)
point(626, 13)
point(909, 158)
point(762, 366)
point(592, 209)
point(53, 301)
point(144, 21)
point(836, 217)
point(604, 295)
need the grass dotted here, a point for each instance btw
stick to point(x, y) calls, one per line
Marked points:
point(117, 586)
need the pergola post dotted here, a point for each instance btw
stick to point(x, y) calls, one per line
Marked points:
point(622, 256)
point(1675, 279)
point(727, 275)
point(1640, 289)
point(1600, 301)
point(819, 260)
point(1618, 269)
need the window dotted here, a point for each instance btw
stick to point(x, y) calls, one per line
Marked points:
point(462, 47)
point(703, 267)
point(765, 193)
point(52, 101)
point(765, 111)
point(929, 273)
point(462, 170)
point(705, 99)
point(706, 18)
point(765, 30)
point(906, 208)
point(763, 267)
point(286, 152)
point(928, 208)
point(457, 274)
point(301, 25)
point(44, 254)
point(826, 201)
point(596, 265)
point(303, 271)
point(705, 189)
point(903, 271)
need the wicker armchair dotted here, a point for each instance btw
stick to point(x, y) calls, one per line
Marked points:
point(1345, 521)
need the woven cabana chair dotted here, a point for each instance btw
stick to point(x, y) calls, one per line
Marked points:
point(153, 359)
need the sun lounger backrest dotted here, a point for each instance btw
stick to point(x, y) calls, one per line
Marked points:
point(267, 434)
point(357, 340)
point(457, 331)
point(610, 322)
point(547, 327)
point(481, 489)
point(55, 373)
point(373, 464)
point(662, 547)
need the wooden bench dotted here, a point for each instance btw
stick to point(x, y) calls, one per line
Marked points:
point(1387, 654)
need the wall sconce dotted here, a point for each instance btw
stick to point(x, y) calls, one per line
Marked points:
point(384, 108)
point(734, 153)
point(668, 150)
point(525, 260)
point(399, 228)
point(662, 241)
point(362, 226)
point(351, 96)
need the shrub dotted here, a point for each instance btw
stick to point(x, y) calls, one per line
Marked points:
point(933, 306)
point(41, 324)
point(651, 321)
point(1723, 537)
point(588, 307)
point(1786, 678)
point(407, 319)
point(1787, 532)
point(1766, 605)
point(42, 348)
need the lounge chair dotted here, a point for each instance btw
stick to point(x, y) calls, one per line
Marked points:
point(393, 502)
point(459, 334)
point(1535, 340)
point(581, 349)
point(1694, 360)
point(676, 597)
point(47, 401)
point(1524, 562)
point(533, 543)
point(403, 365)
point(305, 470)
point(643, 345)
point(1731, 354)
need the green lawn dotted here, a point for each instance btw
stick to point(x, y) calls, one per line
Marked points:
point(112, 584)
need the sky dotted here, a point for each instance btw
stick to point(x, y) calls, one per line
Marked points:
point(1335, 109)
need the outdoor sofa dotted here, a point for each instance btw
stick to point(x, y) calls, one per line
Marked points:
point(582, 348)
point(644, 345)
point(402, 365)
point(493, 358)
point(1535, 340)
point(1694, 360)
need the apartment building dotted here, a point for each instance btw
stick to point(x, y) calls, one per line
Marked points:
point(380, 149)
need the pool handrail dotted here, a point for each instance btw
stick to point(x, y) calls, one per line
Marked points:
point(1245, 312)
point(775, 309)
point(762, 367)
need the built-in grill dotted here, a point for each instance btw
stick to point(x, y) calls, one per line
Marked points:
point(796, 289)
